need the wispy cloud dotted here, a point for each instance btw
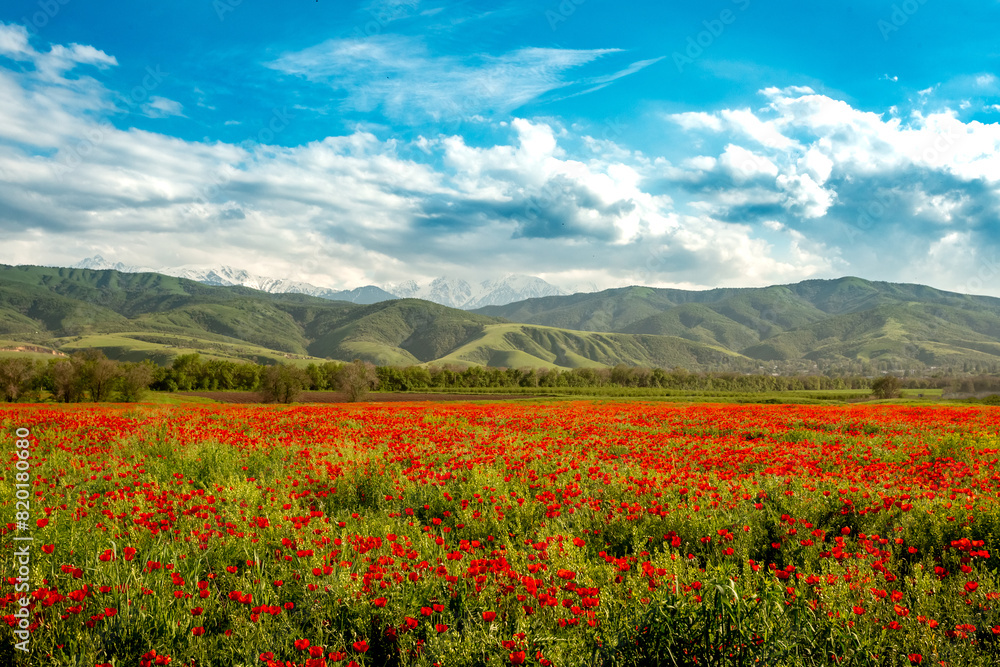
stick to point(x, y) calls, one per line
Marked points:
point(161, 107)
point(405, 81)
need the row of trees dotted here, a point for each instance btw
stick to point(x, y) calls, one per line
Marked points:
point(90, 376)
point(87, 375)
point(190, 372)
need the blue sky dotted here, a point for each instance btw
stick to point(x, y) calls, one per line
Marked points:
point(591, 143)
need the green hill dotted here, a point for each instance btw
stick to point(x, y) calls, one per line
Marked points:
point(814, 324)
point(823, 321)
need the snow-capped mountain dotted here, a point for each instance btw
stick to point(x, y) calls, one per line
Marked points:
point(98, 263)
point(458, 293)
point(453, 292)
point(228, 276)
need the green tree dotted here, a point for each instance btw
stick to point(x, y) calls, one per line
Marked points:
point(282, 383)
point(62, 380)
point(134, 381)
point(887, 386)
point(17, 377)
point(95, 373)
point(357, 379)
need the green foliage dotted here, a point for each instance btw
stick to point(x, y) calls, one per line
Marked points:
point(282, 383)
point(887, 386)
point(357, 379)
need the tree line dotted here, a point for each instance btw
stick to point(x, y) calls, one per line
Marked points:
point(86, 376)
point(89, 375)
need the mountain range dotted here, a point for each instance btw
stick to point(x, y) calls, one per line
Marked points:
point(447, 291)
point(847, 325)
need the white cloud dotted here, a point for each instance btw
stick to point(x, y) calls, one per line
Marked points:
point(986, 80)
point(695, 120)
point(161, 107)
point(773, 195)
point(766, 134)
point(402, 78)
point(745, 165)
point(14, 42)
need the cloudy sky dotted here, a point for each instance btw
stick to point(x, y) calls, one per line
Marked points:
point(688, 143)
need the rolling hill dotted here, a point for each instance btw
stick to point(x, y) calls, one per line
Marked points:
point(813, 325)
point(825, 321)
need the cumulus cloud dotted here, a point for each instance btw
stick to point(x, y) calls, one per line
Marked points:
point(881, 186)
point(806, 186)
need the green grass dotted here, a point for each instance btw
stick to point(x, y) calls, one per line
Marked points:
point(130, 346)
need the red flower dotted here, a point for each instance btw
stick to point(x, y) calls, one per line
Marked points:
point(197, 611)
point(41, 523)
point(128, 553)
point(302, 644)
point(915, 658)
point(360, 646)
point(858, 610)
point(565, 574)
point(316, 651)
point(48, 548)
point(440, 627)
point(488, 616)
point(517, 658)
point(198, 632)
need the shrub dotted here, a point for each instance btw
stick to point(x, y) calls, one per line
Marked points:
point(887, 386)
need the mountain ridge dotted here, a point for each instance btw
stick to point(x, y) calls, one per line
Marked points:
point(845, 325)
point(447, 291)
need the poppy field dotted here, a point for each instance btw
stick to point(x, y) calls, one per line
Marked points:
point(564, 533)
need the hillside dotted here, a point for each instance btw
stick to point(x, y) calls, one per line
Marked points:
point(134, 315)
point(848, 323)
point(830, 322)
